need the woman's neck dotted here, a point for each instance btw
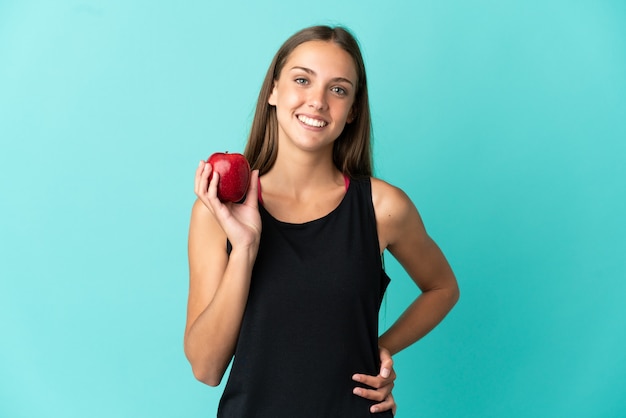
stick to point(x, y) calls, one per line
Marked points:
point(298, 175)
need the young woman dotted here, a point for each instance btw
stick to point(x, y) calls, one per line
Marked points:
point(290, 281)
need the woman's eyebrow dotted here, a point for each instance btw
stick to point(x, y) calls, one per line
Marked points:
point(310, 71)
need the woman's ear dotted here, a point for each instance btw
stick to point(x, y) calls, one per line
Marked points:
point(272, 99)
point(351, 115)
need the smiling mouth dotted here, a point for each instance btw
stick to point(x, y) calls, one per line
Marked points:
point(316, 123)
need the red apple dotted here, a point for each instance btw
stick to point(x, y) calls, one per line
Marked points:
point(234, 171)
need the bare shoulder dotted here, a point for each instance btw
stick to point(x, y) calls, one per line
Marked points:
point(395, 213)
point(388, 199)
point(391, 204)
point(202, 220)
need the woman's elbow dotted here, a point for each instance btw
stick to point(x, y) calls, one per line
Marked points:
point(454, 294)
point(205, 376)
point(449, 292)
point(202, 369)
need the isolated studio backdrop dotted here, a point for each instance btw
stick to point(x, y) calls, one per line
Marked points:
point(504, 121)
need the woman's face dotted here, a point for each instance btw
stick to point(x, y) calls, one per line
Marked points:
point(314, 95)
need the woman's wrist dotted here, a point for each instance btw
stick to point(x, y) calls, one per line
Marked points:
point(244, 253)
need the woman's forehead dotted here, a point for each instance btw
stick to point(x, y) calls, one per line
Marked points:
point(324, 58)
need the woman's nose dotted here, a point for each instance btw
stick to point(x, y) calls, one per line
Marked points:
point(317, 99)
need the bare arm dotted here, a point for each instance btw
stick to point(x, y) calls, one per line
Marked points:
point(218, 282)
point(402, 232)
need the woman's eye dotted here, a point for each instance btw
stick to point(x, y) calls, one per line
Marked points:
point(302, 81)
point(339, 90)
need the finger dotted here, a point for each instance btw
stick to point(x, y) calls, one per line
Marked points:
point(203, 179)
point(199, 170)
point(213, 181)
point(388, 404)
point(386, 362)
point(372, 394)
point(375, 381)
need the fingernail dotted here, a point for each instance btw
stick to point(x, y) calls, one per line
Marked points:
point(374, 409)
point(356, 391)
point(385, 373)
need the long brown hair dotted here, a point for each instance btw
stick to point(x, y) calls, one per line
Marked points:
point(352, 149)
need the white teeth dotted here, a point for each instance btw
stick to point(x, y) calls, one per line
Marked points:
point(312, 122)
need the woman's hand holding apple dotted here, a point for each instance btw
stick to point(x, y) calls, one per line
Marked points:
point(240, 221)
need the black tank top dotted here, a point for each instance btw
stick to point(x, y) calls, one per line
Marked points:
point(311, 319)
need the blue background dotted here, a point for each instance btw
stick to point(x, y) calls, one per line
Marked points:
point(505, 121)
